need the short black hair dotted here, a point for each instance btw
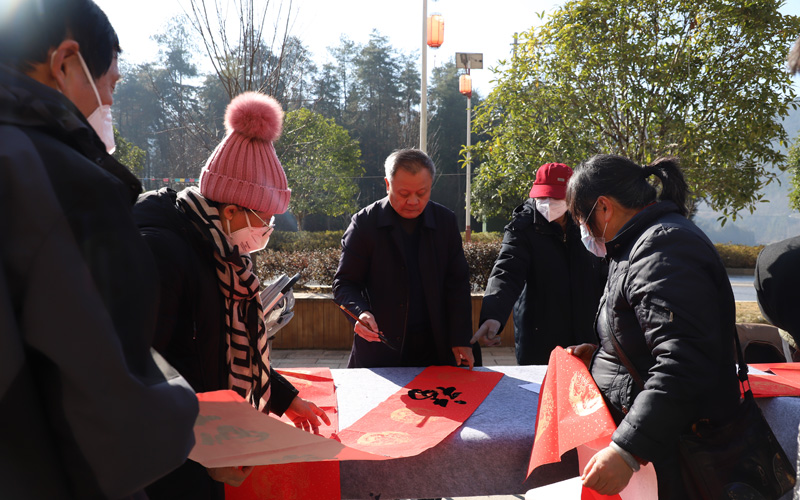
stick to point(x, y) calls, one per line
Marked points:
point(31, 28)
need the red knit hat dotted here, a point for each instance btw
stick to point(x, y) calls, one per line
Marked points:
point(551, 181)
point(244, 169)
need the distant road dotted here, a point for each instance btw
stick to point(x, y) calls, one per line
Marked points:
point(743, 290)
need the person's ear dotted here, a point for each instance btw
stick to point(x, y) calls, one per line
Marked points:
point(58, 61)
point(386, 180)
point(229, 211)
point(605, 207)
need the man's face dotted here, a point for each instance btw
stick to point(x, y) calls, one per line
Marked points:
point(409, 193)
point(78, 89)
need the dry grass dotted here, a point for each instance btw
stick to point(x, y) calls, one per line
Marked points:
point(748, 312)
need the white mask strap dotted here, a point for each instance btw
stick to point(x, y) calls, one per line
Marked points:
point(91, 80)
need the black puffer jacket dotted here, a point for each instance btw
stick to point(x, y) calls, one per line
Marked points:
point(777, 274)
point(190, 323)
point(669, 303)
point(553, 283)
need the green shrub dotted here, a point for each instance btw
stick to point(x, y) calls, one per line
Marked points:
point(480, 258)
point(289, 241)
point(316, 267)
point(738, 256)
point(485, 237)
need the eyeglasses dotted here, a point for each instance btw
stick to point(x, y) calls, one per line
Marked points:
point(581, 222)
point(271, 223)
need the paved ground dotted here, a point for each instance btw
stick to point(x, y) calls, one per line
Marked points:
point(302, 358)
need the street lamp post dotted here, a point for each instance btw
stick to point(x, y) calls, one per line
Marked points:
point(423, 91)
point(467, 62)
point(432, 36)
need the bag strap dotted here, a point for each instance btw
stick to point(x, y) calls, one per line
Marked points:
point(637, 378)
point(742, 367)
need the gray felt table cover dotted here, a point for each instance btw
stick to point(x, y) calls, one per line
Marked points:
point(489, 454)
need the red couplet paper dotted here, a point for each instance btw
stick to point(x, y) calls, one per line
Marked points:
point(772, 386)
point(765, 367)
point(571, 410)
point(589, 494)
point(423, 413)
point(790, 371)
point(303, 480)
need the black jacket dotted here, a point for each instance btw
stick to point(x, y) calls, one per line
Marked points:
point(777, 274)
point(669, 303)
point(553, 283)
point(372, 276)
point(87, 411)
point(190, 323)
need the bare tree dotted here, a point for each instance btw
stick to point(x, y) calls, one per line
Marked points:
point(256, 59)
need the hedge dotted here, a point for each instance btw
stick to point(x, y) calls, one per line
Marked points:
point(315, 255)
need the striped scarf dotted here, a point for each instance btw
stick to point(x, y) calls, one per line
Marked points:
point(245, 334)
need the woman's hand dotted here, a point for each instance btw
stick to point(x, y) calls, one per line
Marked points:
point(305, 415)
point(606, 473)
point(233, 476)
point(583, 351)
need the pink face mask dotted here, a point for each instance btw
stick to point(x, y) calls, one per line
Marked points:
point(251, 239)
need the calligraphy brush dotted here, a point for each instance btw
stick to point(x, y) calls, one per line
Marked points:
point(365, 325)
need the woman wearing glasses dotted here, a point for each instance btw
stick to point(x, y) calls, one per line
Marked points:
point(210, 323)
point(668, 312)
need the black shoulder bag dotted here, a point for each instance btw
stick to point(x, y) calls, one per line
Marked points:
point(739, 458)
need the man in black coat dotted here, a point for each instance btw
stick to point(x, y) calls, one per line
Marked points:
point(403, 273)
point(545, 273)
point(87, 411)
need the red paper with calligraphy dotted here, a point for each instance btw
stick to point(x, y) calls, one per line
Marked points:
point(423, 413)
point(571, 410)
point(299, 481)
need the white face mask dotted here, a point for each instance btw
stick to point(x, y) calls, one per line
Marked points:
point(251, 239)
point(551, 208)
point(100, 119)
point(595, 244)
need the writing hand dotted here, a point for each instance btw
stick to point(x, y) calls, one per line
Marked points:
point(464, 356)
point(368, 334)
point(487, 334)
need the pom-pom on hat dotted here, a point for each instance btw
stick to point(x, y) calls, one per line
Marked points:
point(551, 181)
point(244, 169)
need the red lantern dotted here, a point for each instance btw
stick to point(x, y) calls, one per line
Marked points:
point(435, 30)
point(465, 85)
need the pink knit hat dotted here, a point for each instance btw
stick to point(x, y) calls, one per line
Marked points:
point(244, 169)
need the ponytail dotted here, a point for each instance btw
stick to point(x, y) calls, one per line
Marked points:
point(673, 184)
point(625, 181)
